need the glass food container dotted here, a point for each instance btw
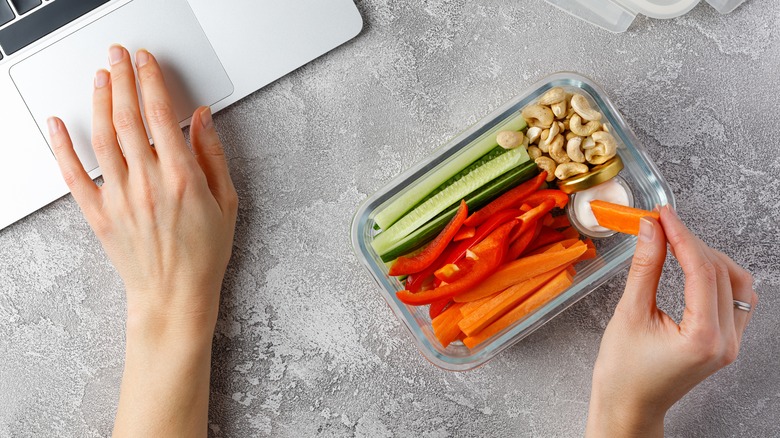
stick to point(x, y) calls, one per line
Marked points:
point(647, 187)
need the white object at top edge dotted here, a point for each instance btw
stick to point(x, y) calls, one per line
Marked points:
point(605, 14)
point(725, 6)
point(659, 8)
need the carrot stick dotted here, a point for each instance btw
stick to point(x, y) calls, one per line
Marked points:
point(445, 326)
point(521, 270)
point(589, 254)
point(619, 217)
point(502, 303)
point(471, 306)
point(547, 235)
point(553, 288)
point(563, 244)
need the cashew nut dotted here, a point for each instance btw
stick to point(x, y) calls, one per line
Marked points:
point(580, 104)
point(553, 95)
point(568, 170)
point(554, 130)
point(538, 115)
point(559, 109)
point(534, 152)
point(573, 150)
point(509, 139)
point(533, 134)
point(576, 126)
point(606, 148)
point(547, 163)
point(588, 143)
point(556, 150)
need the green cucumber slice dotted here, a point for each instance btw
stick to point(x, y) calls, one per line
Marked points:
point(475, 201)
point(494, 153)
point(412, 197)
point(447, 197)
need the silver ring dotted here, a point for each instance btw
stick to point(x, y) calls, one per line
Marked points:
point(741, 305)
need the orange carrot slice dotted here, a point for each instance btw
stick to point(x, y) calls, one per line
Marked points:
point(619, 217)
point(521, 270)
point(502, 303)
point(553, 288)
point(563, 244)
point(589, 254)
point(471, 306)
point(445, 326)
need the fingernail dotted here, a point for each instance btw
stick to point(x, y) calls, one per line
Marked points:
point(205, 118)
point(101, 79)
point(54, 125)
point(672, 211)
point(141, 58)
point(115, 54)
point(646, 230)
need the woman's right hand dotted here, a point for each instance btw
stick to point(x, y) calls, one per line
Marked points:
point(647, 361)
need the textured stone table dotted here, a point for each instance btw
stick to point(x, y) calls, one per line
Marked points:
point(306, 347)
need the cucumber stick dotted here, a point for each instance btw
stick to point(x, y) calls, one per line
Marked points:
point(475, 201)
point(481, 146)
point(426, 211)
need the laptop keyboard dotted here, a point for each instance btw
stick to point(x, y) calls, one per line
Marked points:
point(23, 22)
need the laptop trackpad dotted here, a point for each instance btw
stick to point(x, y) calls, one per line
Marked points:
point(58, 79)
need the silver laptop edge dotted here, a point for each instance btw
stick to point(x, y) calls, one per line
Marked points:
point(253, 42)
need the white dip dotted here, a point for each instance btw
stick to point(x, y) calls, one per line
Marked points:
point(610, 191)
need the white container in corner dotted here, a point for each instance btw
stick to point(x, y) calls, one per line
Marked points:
point(617, 15)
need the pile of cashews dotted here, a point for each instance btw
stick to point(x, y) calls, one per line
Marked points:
point(561, 119)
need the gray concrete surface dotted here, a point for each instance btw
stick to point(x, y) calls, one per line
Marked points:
point(305, 346)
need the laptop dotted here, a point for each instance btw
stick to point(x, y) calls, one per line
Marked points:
point(212, 53)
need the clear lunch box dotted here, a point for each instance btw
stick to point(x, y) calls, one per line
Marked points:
point(614, 253)
point(617, 15)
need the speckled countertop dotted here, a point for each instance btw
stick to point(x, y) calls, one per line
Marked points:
point(305, 346)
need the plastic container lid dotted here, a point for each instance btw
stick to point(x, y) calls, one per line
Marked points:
point(617, 15)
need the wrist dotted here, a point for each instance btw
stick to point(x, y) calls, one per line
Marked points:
point(163, 323)
point(618, 415)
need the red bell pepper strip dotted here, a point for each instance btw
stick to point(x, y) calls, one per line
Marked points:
point(529, 219)
point(511, 199)
point(437, 307)
point(560, 198)
point(561, 221)
point(482, 232)
point(490, 251)
point(523, 241)
point(448, 273)
point(464, 233)
point(547, 236)
point(410, 265)
point(455, 253)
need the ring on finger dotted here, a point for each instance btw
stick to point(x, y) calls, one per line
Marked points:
point(741, 305)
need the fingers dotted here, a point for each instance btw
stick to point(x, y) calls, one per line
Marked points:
point(742, 290)
point(158, 108)
point(211, 158)
point(646, 267)
point(104, 140)
point(82, 187)
point(725, 297)
point(701, 300)
point(126, 111)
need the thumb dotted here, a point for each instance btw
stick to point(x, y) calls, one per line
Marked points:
point(646, 267)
